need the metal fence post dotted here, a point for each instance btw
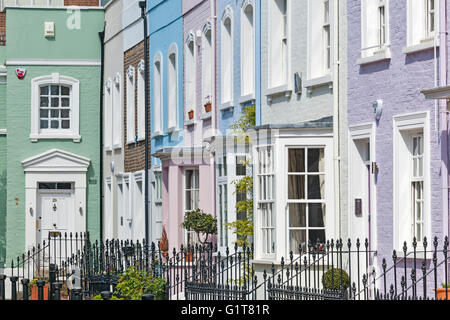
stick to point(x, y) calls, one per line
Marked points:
point(40, 284)
point(56, 287)
point(14, 280)
point(75, 294)
point(2, 286)
point(25, 283)
point(106, 295)
point(52, 278)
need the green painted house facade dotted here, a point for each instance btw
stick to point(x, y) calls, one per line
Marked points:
point(49, 126)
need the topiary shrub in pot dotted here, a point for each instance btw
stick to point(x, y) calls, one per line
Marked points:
point(336, 279)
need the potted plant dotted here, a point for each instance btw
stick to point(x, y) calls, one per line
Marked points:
point(336, 279)
point(444, 292)
point(201, 223)
point(35, 292)
point(191, 114)
point(207, 104)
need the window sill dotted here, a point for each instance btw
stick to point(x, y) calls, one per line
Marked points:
point(226, 106)
point(424, 45)
point(379, 56)
point(206, 116)
point(190, 123)
point(59, 136)
point(319, 82)
point(171, 130)
point(139, 139)
point(157, 134)
point(247, 98)
point(278, 91)
point(3, 132)
point(117, 146)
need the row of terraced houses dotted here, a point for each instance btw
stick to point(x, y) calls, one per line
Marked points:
point(350, 136)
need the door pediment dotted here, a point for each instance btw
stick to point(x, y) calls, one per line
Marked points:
point(56, 160)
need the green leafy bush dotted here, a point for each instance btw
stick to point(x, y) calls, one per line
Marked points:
point(200, 223)
point(134, 283)
point(331, 279)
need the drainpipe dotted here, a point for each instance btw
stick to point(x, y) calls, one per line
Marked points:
point(102, 68)
point(212, 5)
point(443, 113)
point(336, 130)
point(142, 5)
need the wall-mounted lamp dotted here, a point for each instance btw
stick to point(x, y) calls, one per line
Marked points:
point(377, 109)
point(31, 210)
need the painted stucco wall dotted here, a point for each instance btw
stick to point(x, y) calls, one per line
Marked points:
point(297, 108)
point(77, 44)
point(194, 21)
point(397, 82)
point(165, 28)
point(113, 64)
point(132, 24)
point(2, 175)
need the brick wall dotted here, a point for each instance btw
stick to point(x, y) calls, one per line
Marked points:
point(2, 28)
point(83, 3)
point(134, 156)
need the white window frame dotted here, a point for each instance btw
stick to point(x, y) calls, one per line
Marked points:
point(190, 74)
point(158, 109)
point(207, 64)
point(141, 101)
point(378, 47)
point(226, 101)
point(265, 227)
point(317, 24)
point(131, 80)
point(222, 182)
point(56, 79)
point(157, 202)
point(117, 112)
point(419, 36)
point(247, 58)
point(186, 232)
point(108, 116)
point(172, 123)
point(410, 124)
point(284, 85)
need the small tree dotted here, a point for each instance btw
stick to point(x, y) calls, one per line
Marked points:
point(201, 223)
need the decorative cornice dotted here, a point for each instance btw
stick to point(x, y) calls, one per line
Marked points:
point(227, 13)
point(190, 38)
point(117, 79)
point(141, 67)
point(245, 3)
point(108, 84)
point(130, 72)
point(207, 27)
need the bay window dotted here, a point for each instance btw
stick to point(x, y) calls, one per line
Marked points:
point(265, 198)
point(306, 197)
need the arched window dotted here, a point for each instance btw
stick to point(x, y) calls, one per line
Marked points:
point(172, 86)
point(247, 49)
point(131, 135)
point(227, 57)
point(157, 93)
point(117, 111)
point(55, 108)
point(207, 58)
point(190, 74)
point(141, 101)
point(278, 43)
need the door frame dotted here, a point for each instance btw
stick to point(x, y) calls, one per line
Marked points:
point(54, 166)
point(360, 132)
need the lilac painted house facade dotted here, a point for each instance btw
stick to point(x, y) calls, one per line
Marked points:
point(397, 138)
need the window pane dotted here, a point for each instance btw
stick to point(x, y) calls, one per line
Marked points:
point(188, 200)
point(65, 124)
point(44, 90)
point(315, 160)
point(297, 215)
point(47, 185)
point(65, 91)
point(240, 166)
point(54, 124)
point(55, 90)
point(54, 113)
point(44, 102)
point(65, 113)
point(316, 187)
point(189, 179)
point(317, 236)
point(296, 187)
point(316, 215)
point(65, 102)
point(296, 160)
point(43, 113)
point(55, 102)
point(44, 124)
point(296, 238)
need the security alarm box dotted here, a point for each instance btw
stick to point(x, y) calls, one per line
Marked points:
point(49, 29)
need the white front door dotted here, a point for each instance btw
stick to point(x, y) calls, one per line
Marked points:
point(55, 215)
